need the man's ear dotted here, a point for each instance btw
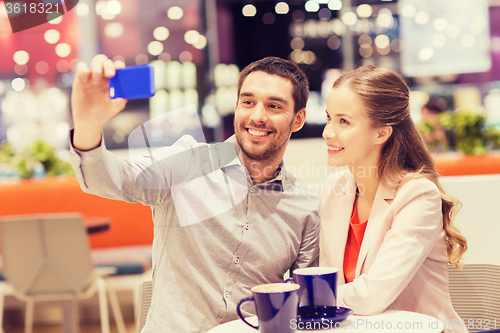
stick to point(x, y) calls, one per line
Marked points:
point(299, 120)
point(383, 134)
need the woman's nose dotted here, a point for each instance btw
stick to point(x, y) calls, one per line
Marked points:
point(328, 132)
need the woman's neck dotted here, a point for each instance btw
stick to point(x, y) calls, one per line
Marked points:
point(367, 182)
point(367, 187)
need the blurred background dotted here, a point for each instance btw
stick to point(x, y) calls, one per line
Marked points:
point(447, 49)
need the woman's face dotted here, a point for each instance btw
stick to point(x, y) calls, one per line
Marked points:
point(350, 138)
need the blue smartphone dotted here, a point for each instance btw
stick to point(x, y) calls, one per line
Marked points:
point(133, 82)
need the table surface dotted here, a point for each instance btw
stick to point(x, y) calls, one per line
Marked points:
point(397, 321)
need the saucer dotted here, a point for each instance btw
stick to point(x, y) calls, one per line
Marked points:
point(324, 322)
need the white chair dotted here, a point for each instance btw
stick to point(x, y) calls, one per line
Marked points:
point(475, 293)
point(47, 258)
point(143, 304)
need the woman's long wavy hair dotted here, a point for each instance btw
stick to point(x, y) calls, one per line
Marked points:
point(404, 157)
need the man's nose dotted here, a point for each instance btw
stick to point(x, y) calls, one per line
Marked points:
point(259, 114)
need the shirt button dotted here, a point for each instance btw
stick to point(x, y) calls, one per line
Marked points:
point(252, 190)
point(226, 295)
point(237, 260)
point(247, 226)
point(88, 159)
point(242, 169)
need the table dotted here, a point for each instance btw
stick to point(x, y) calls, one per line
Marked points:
point(396, 321)
point(96, 224)
point(455, 164)
point(131, 223)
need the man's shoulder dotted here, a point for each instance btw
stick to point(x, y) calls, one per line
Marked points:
point(184, 143)
point(185, 150)
point(189, 146)
point(188, 159)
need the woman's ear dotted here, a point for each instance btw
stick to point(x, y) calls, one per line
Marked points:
point(384, 133)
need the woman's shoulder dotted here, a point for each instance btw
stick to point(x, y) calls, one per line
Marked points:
point(418, 186)
point(419, 200)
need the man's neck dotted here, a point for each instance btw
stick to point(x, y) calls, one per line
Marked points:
point(262, 171)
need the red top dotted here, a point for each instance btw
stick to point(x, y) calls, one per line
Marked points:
point(354, 240)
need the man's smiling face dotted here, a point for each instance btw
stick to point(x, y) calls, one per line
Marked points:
point(264, 117)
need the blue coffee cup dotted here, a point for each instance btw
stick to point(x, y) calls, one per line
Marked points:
point(318, 292)
point(276, 306)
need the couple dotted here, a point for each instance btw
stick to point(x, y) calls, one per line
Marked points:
point(385, 223)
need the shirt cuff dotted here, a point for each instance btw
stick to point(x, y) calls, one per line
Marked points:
point(86, 156)
point(72, 133)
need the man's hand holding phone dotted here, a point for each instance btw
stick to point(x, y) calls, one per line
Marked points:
point(101, 92)
point(91, 105)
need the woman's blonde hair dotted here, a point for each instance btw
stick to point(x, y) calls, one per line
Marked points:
point(404, 157)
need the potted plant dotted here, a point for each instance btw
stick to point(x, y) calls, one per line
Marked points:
point(472, 137)
point(38, 155)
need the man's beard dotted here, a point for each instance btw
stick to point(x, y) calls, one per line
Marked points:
point(269, 153)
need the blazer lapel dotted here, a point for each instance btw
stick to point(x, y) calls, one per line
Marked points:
point(374, 229)
point(338, 212)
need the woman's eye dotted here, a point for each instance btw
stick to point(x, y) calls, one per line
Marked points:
point(343, 121)
point(328, 117)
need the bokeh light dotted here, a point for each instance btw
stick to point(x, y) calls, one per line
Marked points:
point(63, 50)
point(42, 67)
point(155, 48)
point(161, 33)
point(21, 57)
point(186, 56)
point(114, 30)
point(18, 84)
point(249, 10)
point(335, 5)
point(311, 6)
point(349, 18)
point(281, 8)
point(52, 36)
point(82, 9)
point(175, 13)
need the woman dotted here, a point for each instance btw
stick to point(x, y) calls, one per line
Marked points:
point(385, 222)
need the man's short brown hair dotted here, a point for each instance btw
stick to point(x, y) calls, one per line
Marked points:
point(285, 69)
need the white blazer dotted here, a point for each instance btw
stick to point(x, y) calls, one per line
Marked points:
point(402, 264)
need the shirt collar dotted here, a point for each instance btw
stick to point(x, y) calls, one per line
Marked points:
point(276, 183)
point(236, 160)
point(278, 180)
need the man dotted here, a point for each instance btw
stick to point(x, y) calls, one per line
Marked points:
point(207, 251)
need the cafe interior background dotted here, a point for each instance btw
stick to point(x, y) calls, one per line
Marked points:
point(448, 50)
